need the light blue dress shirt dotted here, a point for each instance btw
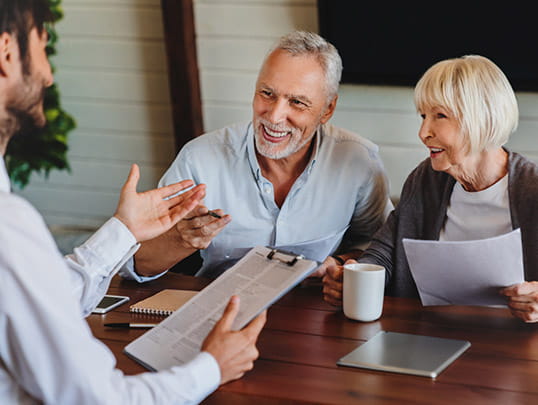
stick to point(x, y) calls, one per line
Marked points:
point(338, 202)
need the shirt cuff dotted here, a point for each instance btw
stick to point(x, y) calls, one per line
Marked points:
point(128, 272)
point(111, 245)
point(206, 374)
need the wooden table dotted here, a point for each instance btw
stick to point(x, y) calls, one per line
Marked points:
point(304, 337)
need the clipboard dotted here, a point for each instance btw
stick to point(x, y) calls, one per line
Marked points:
point(260, 278)
point(405, 353)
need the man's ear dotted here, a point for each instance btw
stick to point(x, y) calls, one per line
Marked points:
point(329, 111)
point(7, 48)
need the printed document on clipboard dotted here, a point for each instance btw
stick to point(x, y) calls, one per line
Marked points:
point(260, 278)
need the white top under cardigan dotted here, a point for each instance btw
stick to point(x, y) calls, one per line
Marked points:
point(478, 214)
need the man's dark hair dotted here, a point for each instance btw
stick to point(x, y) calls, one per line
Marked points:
point(19, 17)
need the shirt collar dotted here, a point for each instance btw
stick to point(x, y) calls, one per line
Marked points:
point(5, 184)
point(251, 152)
point(317, 143)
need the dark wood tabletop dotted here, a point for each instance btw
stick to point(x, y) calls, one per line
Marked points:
point(304, 337)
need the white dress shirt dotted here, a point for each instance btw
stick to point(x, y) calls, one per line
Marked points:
point(337, 203)
point(47, 351)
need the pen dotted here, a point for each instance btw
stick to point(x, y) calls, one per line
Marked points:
point(130, 325)
point(214, 214)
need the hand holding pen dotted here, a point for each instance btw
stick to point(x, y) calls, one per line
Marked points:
point(200, 226)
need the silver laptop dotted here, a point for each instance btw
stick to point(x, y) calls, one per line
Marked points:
point(406, 353)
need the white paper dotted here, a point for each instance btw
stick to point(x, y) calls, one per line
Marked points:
point(257, 280)
point(465, 272)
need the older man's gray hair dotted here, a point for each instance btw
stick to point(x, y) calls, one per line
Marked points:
point(309, 43)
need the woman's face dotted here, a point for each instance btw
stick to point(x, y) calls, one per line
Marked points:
point(441, 133)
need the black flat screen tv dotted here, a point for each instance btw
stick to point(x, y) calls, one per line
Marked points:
point(393, 43)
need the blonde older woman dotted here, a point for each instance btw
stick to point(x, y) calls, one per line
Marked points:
point(470, 187)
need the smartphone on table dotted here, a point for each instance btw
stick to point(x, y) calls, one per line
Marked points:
point(109, 302)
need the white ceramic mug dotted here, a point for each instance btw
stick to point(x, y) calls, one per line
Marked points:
point(364, 287)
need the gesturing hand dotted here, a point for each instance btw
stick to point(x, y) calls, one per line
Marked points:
point(148, 214)
point(235, 351)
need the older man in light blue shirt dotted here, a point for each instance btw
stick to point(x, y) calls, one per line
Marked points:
point(342, 192)
point(287, 179)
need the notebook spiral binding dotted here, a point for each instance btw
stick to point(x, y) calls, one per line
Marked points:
point(151, 311)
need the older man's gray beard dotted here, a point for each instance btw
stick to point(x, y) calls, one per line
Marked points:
point(270, 151)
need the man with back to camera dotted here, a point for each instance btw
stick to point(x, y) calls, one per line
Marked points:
point(277, 177)
point(47, 352)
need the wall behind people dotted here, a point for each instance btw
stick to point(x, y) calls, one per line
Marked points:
point(111, 69)
point(112, 73)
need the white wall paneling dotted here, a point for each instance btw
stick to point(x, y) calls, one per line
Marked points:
point(112, 74)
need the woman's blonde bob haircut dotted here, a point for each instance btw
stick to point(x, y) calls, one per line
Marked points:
point(479, 95)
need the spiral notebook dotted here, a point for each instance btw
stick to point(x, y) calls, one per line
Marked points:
point(164, 302)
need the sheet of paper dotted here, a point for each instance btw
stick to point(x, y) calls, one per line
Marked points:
point(256, 279)
point(467, 272)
